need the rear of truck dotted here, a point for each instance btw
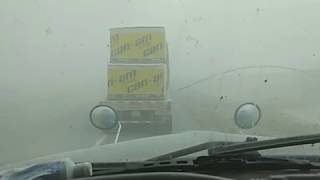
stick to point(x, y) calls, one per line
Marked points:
point(138, 79)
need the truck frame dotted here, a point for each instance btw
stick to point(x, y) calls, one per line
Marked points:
point(152, 116)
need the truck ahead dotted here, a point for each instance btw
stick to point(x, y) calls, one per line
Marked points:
point(138, 79)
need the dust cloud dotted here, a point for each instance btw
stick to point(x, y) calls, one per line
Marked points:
point(54, 55)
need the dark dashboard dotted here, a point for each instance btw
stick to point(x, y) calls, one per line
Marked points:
point(255, 175)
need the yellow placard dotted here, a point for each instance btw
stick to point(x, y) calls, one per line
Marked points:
point(140, 81)
point(138, 43)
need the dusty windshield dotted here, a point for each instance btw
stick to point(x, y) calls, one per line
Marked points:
point(77, 74)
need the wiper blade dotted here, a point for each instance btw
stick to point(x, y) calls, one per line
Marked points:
point(101, 168)
point(264, 144)
point(239, 162)
point(225, 148)
point(204, 164)
point(189, 150)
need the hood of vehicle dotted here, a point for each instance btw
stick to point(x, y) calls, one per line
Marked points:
point(145, 148)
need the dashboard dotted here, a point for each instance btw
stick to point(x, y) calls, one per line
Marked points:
point(255, 175)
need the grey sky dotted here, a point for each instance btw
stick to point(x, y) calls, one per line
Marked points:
point(54, 54)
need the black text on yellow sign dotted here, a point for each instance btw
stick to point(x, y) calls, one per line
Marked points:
point(125, 77)
point(137, 45)
point(143, 83)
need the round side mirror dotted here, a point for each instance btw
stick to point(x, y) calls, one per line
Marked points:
point(247, 115)
point(103, 117)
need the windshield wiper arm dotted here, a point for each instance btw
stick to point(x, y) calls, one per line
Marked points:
point(225, 148)
point(188, 150)
point(264, 144)
point(204, 164)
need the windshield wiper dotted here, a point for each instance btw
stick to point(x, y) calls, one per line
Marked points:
point(215, 165)
point(227, 148)
point(222, 155)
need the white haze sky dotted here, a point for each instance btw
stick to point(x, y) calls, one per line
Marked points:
point(54, 54)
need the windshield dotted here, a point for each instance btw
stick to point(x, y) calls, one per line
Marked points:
point(161, 67)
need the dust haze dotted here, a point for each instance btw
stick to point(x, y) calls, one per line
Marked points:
point(54, 56)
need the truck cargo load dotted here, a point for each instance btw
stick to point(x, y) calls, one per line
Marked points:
point(138, 45)
point(130, 82)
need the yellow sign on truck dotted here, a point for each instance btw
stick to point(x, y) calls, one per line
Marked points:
point(137, 82)
point(138, 45)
